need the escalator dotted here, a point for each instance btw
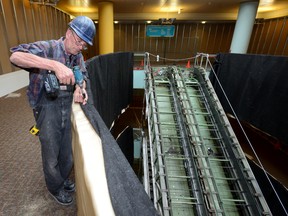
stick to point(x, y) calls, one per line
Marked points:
point(193, 163)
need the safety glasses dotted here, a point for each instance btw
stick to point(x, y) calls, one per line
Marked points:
point(79, 42)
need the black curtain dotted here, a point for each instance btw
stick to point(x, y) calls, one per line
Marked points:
point(126, 144)
point(111, 80)
point(272, 200)
point(256, 86)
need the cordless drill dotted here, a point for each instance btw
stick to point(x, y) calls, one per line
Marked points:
point(79, 78)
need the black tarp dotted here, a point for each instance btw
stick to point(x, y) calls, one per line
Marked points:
point(273, 200)
point(256, 86)
point(111, 79)
point(126, 144)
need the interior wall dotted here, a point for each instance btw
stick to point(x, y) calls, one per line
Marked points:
point(23, 22)
point(269, 37)
point(187, 41)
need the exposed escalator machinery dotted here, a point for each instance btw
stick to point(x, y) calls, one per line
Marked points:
point(193, 162)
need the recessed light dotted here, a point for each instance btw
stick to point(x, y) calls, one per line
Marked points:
point(266, 2)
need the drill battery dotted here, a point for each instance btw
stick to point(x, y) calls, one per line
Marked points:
point(51, 85)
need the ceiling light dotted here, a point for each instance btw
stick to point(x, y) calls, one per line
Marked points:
point(116, 22)
point(203, 22)
point(265, 2)
point(149, 21)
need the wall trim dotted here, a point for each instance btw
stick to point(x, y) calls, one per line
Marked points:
point(13, 81)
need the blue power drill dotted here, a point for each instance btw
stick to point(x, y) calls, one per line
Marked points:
point(79, 78)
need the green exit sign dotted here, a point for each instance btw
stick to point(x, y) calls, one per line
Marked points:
point(160, 31)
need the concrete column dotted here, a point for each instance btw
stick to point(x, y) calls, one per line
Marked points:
point(106, 27)
point(244, 26)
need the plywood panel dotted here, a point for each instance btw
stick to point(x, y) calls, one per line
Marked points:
point(29, 22)
point(22, 22)
point(10, 23)
point(280, 48)
point(8, 35)
point(91, 184)
point(19, 22)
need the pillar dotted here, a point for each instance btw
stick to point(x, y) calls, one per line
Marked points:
point(244, 26)
point(106, 27)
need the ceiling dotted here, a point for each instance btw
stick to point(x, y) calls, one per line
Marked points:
point(190, 10)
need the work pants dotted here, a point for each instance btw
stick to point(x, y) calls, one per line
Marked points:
point(53, 119)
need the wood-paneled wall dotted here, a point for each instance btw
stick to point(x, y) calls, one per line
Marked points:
point(268, 37)
point(22, 22)
point(188, 39)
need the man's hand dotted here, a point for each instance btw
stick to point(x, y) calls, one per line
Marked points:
point(64, 74)
point(80, 96)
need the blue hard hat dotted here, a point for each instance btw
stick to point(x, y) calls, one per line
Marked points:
point(84, 27)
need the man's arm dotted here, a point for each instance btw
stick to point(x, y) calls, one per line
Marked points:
point(28, 60)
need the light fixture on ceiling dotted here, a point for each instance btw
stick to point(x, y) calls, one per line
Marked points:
point(265, 2)
point(44, 2)
point(164, 21)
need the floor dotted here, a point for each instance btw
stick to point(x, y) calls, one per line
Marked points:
point(22, 187)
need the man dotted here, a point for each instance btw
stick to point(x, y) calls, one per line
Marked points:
point(52, 112)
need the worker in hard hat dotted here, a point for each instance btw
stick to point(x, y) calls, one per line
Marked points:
point(50, 64)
